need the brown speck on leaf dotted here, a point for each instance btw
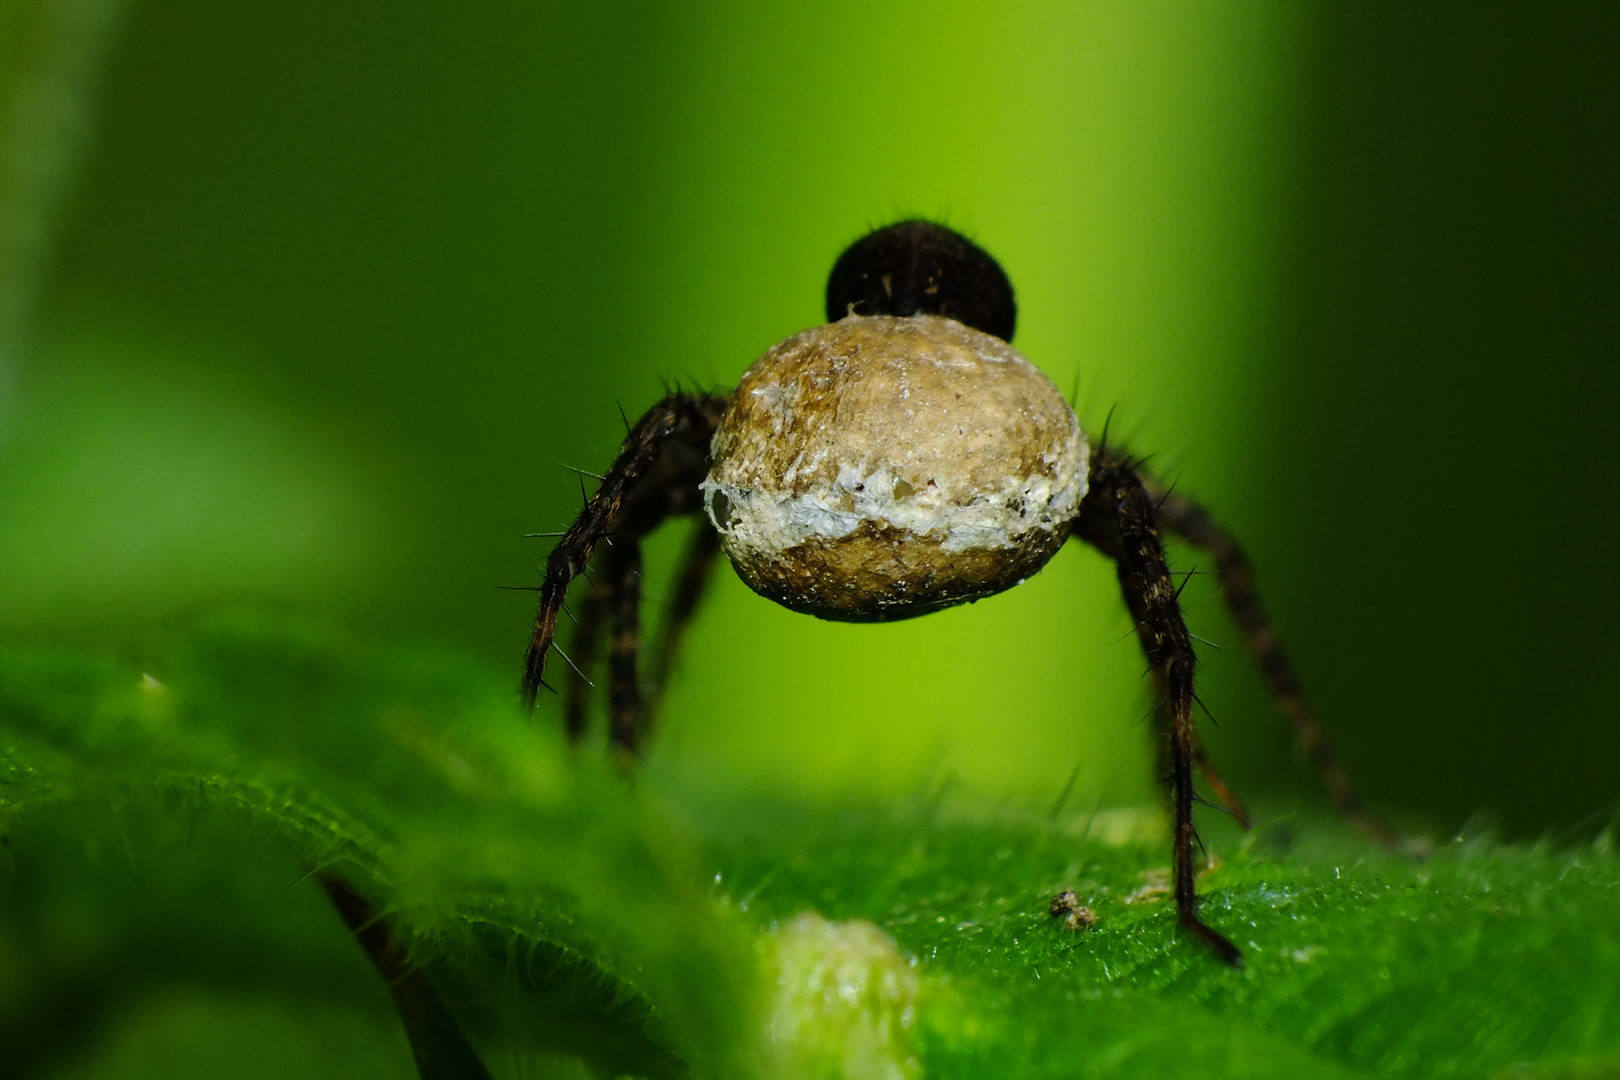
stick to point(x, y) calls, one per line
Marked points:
point(1067, 907)
point(1081, 918)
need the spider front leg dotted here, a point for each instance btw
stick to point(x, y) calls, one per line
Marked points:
point(656, 474)
point(1118, 517)
point(1186, 519)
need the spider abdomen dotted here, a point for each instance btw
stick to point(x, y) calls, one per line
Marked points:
point(880, 468)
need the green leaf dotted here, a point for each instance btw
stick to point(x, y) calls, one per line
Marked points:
point(1359, 962)
point(162, 825)
point(558, 911)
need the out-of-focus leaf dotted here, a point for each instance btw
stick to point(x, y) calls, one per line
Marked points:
point(161, 824)
point(557, 910)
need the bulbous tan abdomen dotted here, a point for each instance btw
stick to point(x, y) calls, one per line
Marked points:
point(880, 468)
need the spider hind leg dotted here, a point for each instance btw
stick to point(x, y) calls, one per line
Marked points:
point(1119, 518)
point(610, 617)
point(625, 710)
point(585, 646)
point(1228, 800)
point(696, 567)
point(655, 476)
point(1183, 518)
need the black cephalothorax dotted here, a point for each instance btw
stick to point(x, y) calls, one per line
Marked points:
point(912, 528)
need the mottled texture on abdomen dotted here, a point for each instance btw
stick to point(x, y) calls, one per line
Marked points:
point(880, 468)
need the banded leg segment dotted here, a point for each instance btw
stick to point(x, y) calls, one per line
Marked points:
point(1212, 777)
point(611, 609)
point(672, 437)
point(1186, 519)
point(586, 643)
point(625, 711)
point(696, 567)
point(1118, 518)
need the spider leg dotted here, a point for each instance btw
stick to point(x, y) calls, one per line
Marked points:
point(697, 562)
point(1119, 518)
point(1182, 517)
point(678, 422)
point(1219, 786)
point(587, 640)
point(615, 594)
point(1213, 778)
point(624, 686)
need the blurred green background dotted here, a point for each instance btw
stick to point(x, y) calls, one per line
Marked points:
point(307, 304)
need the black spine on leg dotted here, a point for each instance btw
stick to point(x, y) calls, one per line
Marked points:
point(1188, 520)
point(680, 421)
point(1219, 786)
point(1118, 517)
point(624, 685)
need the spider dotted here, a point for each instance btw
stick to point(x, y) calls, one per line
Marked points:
point(900, 459)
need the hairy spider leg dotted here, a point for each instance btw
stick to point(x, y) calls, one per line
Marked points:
point(436, 1040)
point(1186, 519)
point(587, 640)
point(669, 490)
point(1219, 786)
point(643, 510)
point(672, 441)
point(1212, 777)
point(697, 563)
point(1119, 518)
point(624, 684)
